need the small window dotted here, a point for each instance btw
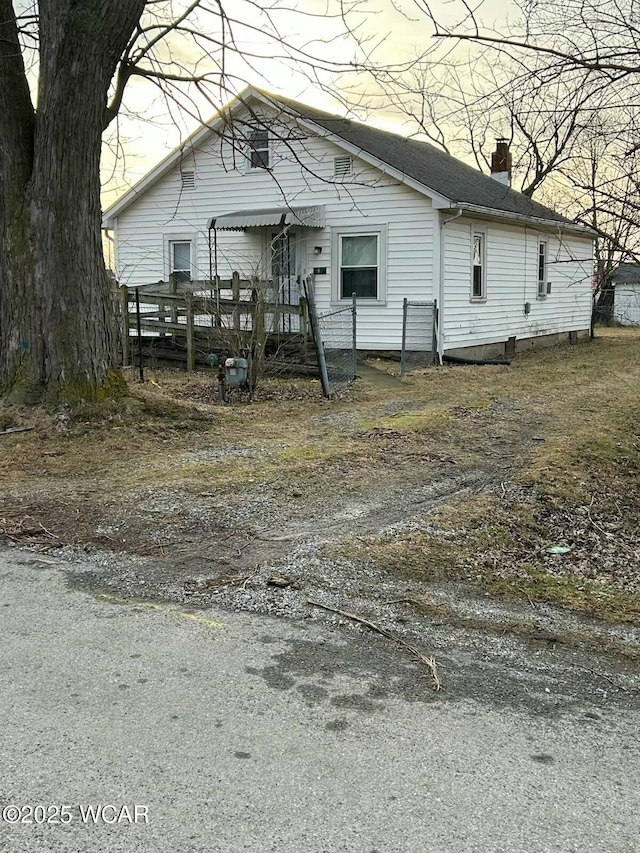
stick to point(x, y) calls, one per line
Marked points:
point(180, 257)
point(187, 180)
point(359, 265)
point(542, 268)
point(259, 149)
point(478, 284)
point(342, 166)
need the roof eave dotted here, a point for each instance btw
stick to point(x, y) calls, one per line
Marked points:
point(522, 218)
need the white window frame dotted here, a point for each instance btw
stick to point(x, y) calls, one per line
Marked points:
point(542, 282)
point(379, 231)
point(169, 244)
point(251, 150)
point(482, 233)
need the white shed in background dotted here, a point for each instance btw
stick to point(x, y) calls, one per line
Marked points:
point(626, 301)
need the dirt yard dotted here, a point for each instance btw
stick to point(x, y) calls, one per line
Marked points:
point(443, 496)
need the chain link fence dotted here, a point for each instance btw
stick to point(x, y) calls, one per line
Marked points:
point(419, 343)
point(334, 334)
point(338, 335)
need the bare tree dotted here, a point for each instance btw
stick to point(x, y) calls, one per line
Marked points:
point(56, 335)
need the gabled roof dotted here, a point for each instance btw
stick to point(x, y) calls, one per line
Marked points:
point(627, 274)
point(422, 165)
point(430, 166)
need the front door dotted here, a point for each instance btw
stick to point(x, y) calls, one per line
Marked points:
point(288, 259)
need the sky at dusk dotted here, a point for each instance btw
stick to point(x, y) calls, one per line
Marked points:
point(389, 33)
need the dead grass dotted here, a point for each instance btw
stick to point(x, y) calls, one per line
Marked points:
point(559, 427)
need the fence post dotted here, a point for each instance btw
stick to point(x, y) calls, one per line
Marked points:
point(304, 324)
point(315, 331)
point(124, 315)
point(190, 347)
point(235, 295)
point(354, 335)
point(404, 336)
point(139, 330)
point(217, 292)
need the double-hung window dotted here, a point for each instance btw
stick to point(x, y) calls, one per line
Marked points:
point(259, 149)
point(359, 265)
point(180, 260)
point(478, 266)
point(542, 268)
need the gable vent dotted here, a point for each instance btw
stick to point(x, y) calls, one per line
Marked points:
point(342, 165)
point(188, 180)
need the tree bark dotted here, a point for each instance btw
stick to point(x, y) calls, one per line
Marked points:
point(56, 319)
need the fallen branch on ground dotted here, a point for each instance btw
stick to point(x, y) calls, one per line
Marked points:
point(11, 430)
point(430, 662)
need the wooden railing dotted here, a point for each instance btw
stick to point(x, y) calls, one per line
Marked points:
point(198, 308)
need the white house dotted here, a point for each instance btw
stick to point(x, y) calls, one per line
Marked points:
point(275, 188)
point(626, 300)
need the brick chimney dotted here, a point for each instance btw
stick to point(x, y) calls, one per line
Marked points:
point(501, 162)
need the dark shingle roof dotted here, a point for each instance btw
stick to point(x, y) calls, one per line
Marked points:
point(627, 274)
point(426, 164)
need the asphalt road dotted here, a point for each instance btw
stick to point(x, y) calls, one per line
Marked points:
point(234, 732)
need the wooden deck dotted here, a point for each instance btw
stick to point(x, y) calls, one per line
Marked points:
point(187, 321)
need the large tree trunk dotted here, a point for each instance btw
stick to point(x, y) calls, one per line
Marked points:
point(56, 327)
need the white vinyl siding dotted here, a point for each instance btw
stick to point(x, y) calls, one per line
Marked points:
point(367, 200)
point(364, 202)
point(512, 281)
point(626, 304)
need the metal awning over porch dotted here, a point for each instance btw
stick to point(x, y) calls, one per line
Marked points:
point(240, 220)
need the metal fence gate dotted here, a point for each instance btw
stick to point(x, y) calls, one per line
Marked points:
point(334, 334)
point(419, 340)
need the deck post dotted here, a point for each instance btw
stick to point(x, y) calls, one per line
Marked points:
point(354, 335)
point(191, 362)
point(217, 294)
point(124, 317)
point(174, 291)
point(139, 330)
point(235, 295)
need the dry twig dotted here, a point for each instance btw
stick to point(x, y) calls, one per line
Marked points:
point(430, 662)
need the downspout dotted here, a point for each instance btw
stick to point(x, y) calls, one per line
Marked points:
point(443, 222)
